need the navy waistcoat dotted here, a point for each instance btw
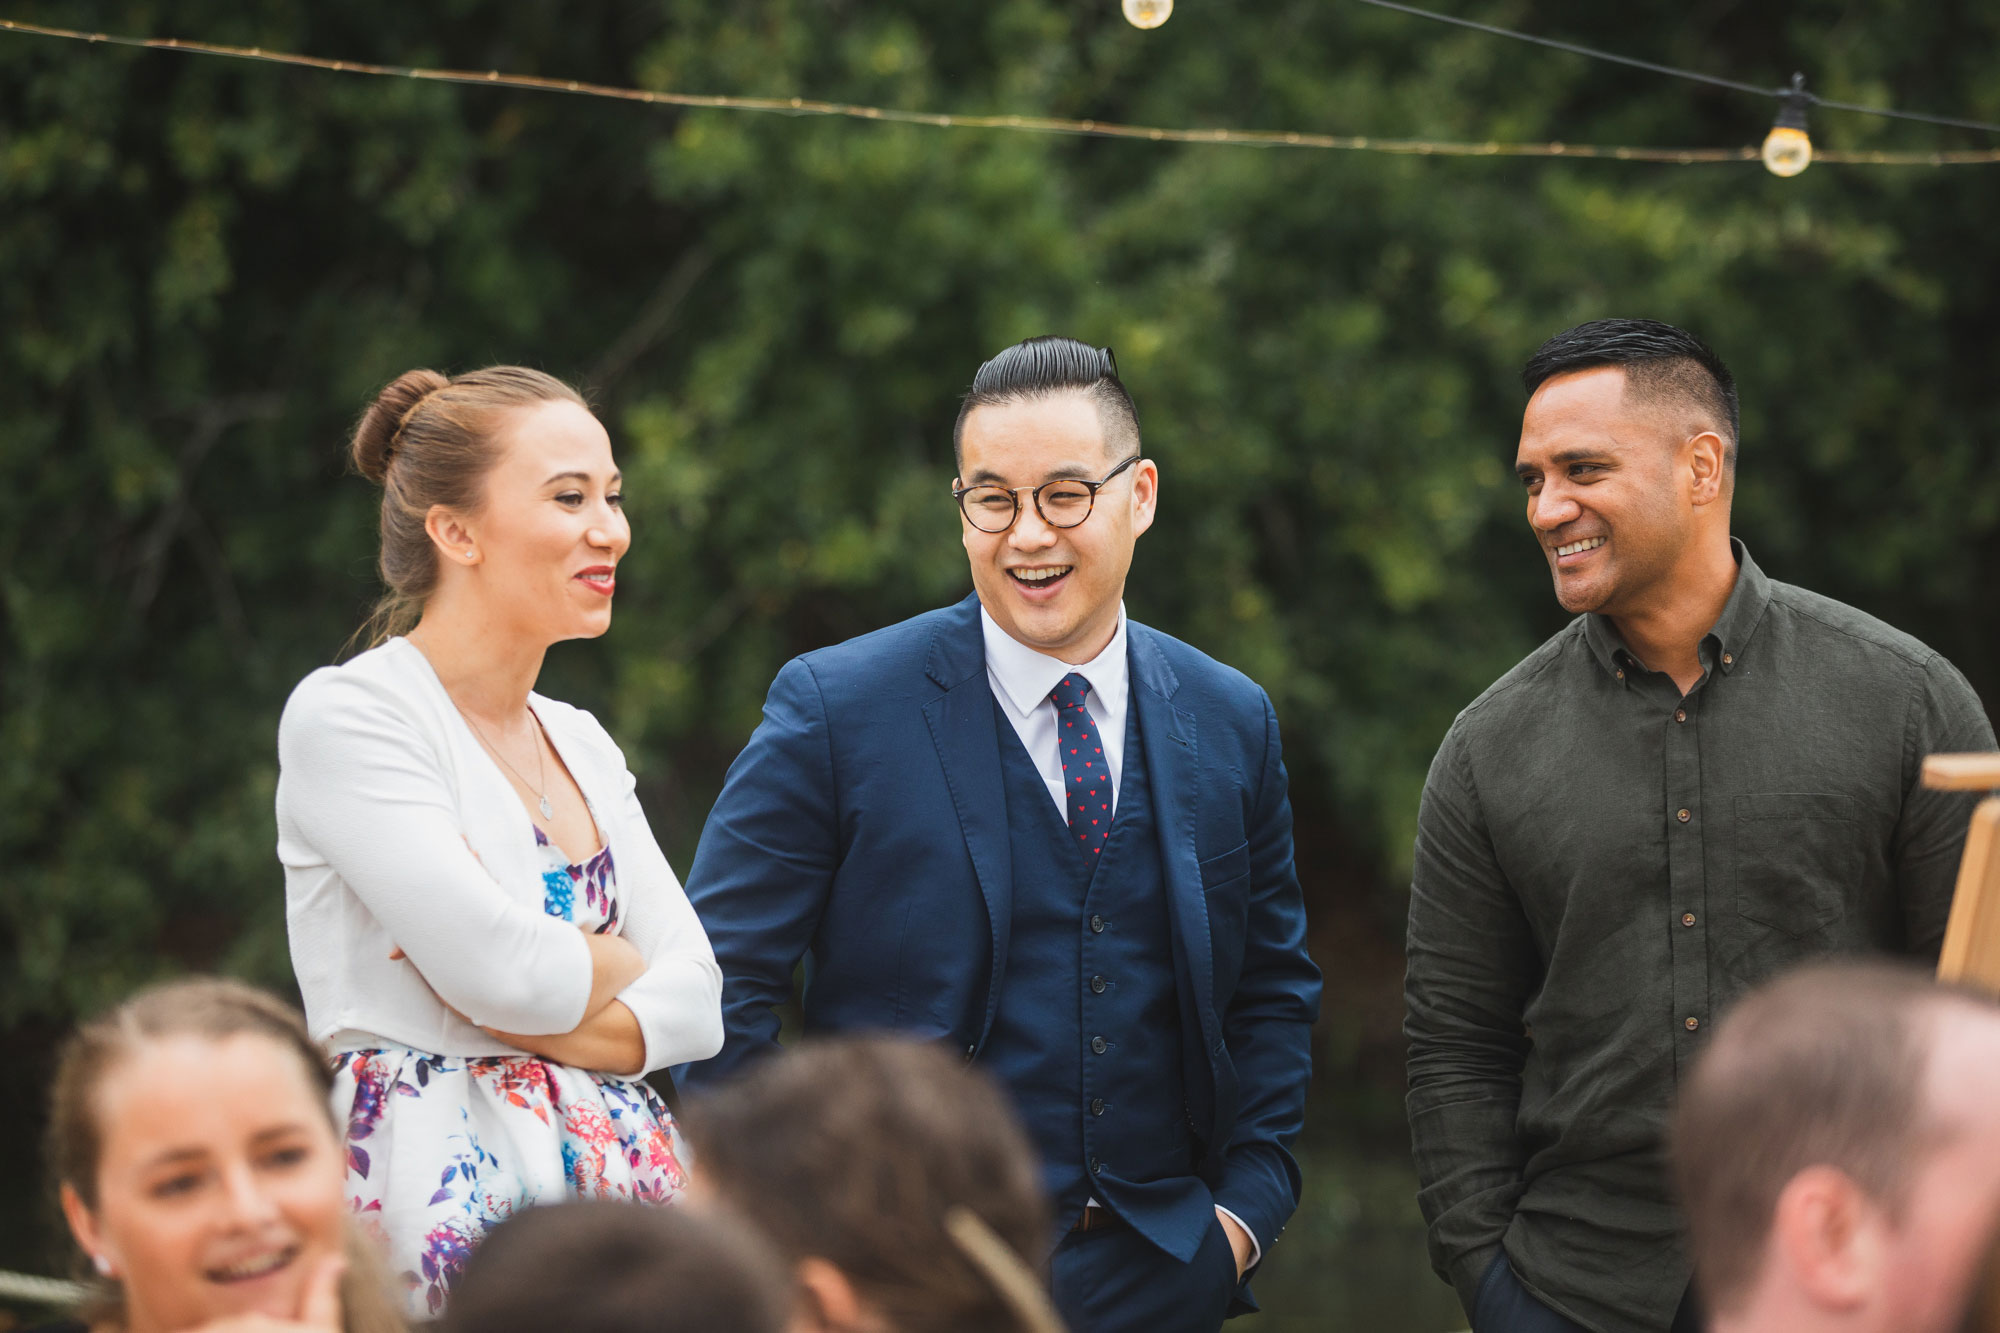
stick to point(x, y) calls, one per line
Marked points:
point(1087, 1035)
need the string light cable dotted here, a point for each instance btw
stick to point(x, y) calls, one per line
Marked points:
point(799, 106)
point(1672, 71)
point(1787, 148)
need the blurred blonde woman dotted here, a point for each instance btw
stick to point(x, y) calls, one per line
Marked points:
point(486, 934)
point(201, 1173)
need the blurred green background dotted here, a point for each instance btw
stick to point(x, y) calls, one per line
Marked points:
point(208, 267)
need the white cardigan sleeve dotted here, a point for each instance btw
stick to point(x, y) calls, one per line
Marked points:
point(366, 791)
point(678, 1001)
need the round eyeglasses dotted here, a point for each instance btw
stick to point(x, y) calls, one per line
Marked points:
point(1063, 503)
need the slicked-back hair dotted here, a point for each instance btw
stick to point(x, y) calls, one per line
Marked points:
point(1662, 364)
point(1824, 1067)
point(1044, 367)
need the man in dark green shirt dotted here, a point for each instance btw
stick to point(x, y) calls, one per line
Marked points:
point(1707, 776)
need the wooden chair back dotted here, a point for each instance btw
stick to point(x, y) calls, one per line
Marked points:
point(1971, 954)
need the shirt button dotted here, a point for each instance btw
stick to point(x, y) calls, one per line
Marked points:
point(1621, 673)
point(1097, 1106)
point(1096, 924)
point(1727, 660)
point(1683, 815)
point(1095, 1166)
point(1097, 985)
point(1693, 1023)
point(1099, 1045)
point(1680, 715)
point(970, 1051)
point(1687, 918)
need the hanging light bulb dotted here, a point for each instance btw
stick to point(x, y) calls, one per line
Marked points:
point(1148, 13)
point(1788, 148)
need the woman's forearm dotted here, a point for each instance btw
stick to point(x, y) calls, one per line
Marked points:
point(615, 963)
point(609, 1041)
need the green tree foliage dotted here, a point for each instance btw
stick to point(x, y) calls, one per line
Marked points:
point(207, 267)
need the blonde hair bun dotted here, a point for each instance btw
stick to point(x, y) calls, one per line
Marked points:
point(375, 436)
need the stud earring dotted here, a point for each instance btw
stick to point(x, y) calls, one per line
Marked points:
point(102, 1264)
point(468, 553)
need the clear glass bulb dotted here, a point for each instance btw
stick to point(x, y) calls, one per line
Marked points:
point(1148, 13)
point(1787, 151)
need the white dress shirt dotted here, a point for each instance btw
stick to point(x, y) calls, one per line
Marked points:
point(1022, 680)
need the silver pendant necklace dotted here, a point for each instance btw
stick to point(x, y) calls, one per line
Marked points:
point(540, 788)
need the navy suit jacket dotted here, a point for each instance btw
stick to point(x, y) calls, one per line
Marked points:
point(863, 830)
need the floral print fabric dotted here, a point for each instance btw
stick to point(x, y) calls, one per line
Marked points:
point(442, 1148)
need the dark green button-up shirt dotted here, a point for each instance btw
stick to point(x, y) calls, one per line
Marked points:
point(1603, 865)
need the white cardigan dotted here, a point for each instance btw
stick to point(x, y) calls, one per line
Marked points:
point(384, 797)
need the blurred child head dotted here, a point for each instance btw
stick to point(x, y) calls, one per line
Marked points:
point(622, 1268)
point(894, 1178)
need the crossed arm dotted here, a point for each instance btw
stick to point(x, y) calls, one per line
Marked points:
point(365, 793)
point(609, 1037)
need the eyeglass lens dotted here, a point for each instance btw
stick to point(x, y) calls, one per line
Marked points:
point(1063, 504)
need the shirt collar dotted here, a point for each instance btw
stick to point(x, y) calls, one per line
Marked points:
point(1027, 677)
point(1722, 646)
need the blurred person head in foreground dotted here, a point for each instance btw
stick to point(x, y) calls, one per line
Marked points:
point(1838, 1152)
point(895, 1180)
point(1982, 1305)
point(604, 1267)
point(200, 1170)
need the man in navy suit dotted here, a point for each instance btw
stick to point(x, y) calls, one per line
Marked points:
point(1058, 841)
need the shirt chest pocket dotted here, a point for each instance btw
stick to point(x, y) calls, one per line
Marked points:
point(1799, 859)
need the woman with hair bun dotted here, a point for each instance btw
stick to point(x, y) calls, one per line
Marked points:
point(486, 934)
point(201, 1173)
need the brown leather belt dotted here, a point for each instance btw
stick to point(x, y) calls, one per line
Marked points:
point(1095, 1217)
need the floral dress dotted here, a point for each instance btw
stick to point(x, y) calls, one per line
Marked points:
point(441, 1147)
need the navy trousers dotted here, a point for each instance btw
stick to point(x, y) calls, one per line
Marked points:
point(1113, 1280)
point(1505, 1306)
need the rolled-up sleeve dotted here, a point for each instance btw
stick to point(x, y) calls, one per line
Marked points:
point(362, 788)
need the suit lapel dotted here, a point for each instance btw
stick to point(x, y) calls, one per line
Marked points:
point(1172, 766)
point(968, 747)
